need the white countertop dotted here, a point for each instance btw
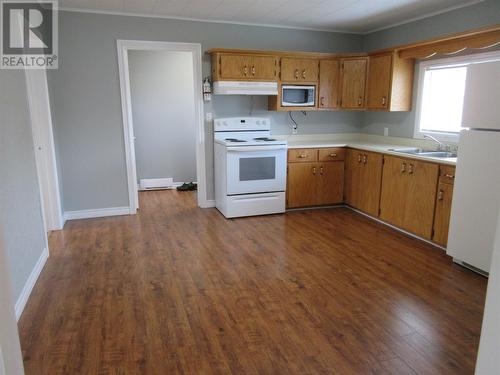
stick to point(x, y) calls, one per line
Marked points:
point(368, 145)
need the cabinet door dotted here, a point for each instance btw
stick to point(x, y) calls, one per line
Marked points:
point(235, 67)
point(353, 83)
point(302, 184)
point(395, 187)
point(370, 181)
point(379, 81)
point(264, 68)
point(299, 70)
point(352, 174)
point(330, 183)
point(329, 72)
point(442, 213)
point(421, 198)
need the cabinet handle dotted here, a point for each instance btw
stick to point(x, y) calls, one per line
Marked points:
point(365, 158)
point(304, 74)
point(403, 167)
point(383, 100)
point(303, 156)
point(245, 70)
point(332, 155)
point(314, 170)
point(359, 158)
point(321, 170)
point(253, 70)
point(411, 169)
point(322, 101)
point(440, 195)
point(449, 176)
point(296, 73)
point(360, 101)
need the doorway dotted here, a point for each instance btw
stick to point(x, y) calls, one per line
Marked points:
point(139, 154)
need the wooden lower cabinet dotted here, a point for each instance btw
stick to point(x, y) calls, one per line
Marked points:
point(408, 194)
point(443, 205)
point(317, 181)
point(301, 185)
point(363, 176)
point(442, 214)
point(330, 183)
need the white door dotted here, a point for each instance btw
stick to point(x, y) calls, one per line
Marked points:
point(43, 141)
point(256, 169)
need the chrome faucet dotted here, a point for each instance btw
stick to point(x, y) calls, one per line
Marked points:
point(441, 146)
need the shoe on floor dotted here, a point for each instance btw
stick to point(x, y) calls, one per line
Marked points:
point(189, 186)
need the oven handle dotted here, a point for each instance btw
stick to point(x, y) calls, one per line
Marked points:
point(256, 148)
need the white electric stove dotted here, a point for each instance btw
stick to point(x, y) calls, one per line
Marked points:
point(250, 167)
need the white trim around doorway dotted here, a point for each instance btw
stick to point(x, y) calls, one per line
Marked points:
point(128, 128)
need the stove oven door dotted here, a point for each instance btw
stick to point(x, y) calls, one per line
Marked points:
point(256, 169)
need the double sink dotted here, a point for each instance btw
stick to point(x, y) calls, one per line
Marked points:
point(422, 152)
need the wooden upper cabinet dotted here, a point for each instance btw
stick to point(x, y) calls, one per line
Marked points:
point(328, 92)
point(353, 82)
point(299, 70)
point(379, 81)
point(264, 68)
point(389, 82)
point(244, 67)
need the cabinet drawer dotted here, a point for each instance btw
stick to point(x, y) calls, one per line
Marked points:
point(331, 154)
point(446, 174)
point(302, 155)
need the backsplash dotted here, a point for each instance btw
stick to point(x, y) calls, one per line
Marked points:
point(317, 122)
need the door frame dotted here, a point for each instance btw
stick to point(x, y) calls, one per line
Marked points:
point(43, 140)
point(123, 47)
point(11, 361)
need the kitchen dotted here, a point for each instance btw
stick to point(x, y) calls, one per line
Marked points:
point(341, 223)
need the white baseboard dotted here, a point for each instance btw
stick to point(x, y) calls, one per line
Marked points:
point(98, 212)
point(30, 283)
point(207, 204)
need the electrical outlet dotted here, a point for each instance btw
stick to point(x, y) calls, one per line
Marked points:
point(295, 131)
point(209, 116)
point(386, 132)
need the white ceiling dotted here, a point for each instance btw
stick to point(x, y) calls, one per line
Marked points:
point(359, 16)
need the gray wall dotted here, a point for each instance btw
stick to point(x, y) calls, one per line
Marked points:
point(20, 208)
point(475, 16)
point(86, 93)
point(161, 88)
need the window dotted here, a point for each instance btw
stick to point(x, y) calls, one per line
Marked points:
point(442, 85)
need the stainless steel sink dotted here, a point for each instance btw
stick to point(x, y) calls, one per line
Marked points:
point(439, 154)
point(422, 152)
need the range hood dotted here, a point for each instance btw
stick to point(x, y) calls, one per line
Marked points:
point(245, 88)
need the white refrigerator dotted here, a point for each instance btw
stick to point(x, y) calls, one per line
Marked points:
point(476, 195)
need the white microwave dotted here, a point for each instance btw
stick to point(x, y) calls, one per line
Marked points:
point(298, 96)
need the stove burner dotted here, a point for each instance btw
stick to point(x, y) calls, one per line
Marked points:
point(234, 140)
point(267, 139)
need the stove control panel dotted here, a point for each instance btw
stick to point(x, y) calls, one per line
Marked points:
point(242, 124)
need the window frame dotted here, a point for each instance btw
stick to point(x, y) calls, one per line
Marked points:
point(442, 62)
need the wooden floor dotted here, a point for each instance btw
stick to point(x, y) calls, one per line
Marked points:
point(178, 289)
